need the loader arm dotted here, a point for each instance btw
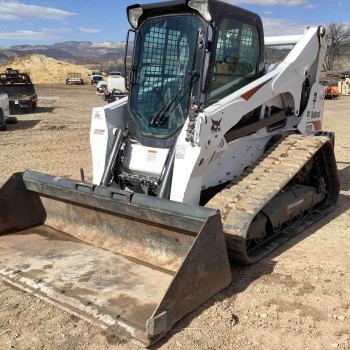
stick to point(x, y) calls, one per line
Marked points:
point(276, 96)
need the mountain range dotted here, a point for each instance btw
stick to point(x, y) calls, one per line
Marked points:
point(77, 51)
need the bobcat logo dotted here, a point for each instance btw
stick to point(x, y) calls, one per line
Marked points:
point(215, 126)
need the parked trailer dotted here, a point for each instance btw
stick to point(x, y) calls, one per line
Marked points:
point(74, 78)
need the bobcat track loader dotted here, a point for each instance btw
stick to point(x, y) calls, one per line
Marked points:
point(213, 157)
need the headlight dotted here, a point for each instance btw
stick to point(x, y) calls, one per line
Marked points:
point(202, 7)
point(134, 14)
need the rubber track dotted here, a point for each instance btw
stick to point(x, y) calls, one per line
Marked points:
point(245, 196)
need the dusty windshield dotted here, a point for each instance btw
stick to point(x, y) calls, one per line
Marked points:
point(164, 61)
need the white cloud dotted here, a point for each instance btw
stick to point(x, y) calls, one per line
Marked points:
point(14, 11)
point(23, 35)
point(289, 3)
point(89, 30)
point(56, 30)
point(284, 27)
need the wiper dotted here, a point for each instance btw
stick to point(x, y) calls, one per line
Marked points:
point(160, 118)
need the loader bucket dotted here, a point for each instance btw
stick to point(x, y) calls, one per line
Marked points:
point(130, 263)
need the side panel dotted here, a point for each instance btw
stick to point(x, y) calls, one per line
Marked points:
point(312, 118)
point(104, 122)
point(19, 209)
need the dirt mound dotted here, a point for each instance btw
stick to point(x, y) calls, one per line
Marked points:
point(46, 70)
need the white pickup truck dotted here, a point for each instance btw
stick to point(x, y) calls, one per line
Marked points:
point(5, 113)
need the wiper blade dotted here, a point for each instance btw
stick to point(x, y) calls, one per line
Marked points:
point(160, 118)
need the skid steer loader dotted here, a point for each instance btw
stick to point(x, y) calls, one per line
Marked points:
point(213, 157)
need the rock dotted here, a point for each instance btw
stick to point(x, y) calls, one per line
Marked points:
point(341, 318)
point(227, 315)
point(263, 315)
point(198, 336)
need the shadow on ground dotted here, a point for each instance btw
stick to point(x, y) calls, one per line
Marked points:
point(23, 125)
point(242, 277)
point(344, 177)
point(44, 109)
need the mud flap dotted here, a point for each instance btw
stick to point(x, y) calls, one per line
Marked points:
point(127, 262)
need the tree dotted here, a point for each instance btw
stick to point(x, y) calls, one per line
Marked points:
point(338, 42)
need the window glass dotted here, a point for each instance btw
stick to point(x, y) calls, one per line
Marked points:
point(165, 52)
point(236, 56)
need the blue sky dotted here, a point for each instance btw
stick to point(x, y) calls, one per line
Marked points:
point(38, 22)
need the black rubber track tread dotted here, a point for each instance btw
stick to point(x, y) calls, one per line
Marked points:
point(244, 197)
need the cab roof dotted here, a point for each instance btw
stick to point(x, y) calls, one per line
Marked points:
point(216, 8)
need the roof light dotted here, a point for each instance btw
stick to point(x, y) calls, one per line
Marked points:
point(202, 7)
point(133, 16)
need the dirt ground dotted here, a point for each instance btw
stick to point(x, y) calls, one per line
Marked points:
point(296, 298)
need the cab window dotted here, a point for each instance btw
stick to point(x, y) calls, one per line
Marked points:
point(236, 56)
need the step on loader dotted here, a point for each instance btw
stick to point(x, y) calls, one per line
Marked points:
point(213, 157)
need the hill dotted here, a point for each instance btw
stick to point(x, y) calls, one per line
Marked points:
point(73, 51)
point(46, 70)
